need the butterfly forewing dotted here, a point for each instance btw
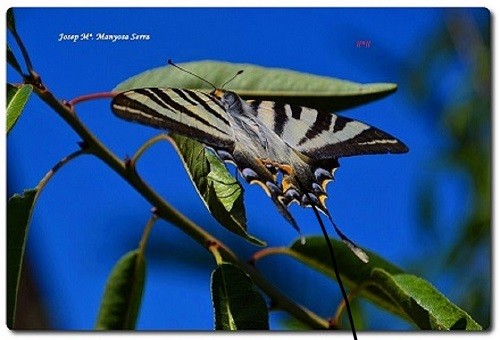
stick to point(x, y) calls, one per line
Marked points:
point(191, 113)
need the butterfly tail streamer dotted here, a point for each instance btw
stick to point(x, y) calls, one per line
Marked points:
point(334, 262)
point(282, 208)
point(352, 246)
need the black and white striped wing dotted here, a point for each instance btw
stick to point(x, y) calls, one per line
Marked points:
point(323, 135)
point(191, 113)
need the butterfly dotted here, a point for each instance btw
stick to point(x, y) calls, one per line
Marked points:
point(290, 151)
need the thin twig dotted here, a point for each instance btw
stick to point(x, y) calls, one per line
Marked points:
point(336, 320)
point(43, 182)
point(26, 58)
point(259, 255)
point(214, 249)
point(147, 232)
point(31, 73)
point(146, 146)
point(91, 96)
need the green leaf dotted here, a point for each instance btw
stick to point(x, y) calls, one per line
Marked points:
point(11, 59)
point(237, 305)
point(314, 253)
point(16, 102)
point(292, 324)
point(405, 295)
point(11, 23)
point(221, 192)
point(424, 304)
point(122, 296)
point(262, 83)
point(11, 91)
point(19, 209)
point(357, 314)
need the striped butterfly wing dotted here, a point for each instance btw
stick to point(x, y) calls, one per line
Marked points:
point(323, 138)
point(191, 113)
point(323, 135)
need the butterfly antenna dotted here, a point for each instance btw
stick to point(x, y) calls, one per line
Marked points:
point(334, 261)
point(170, 62)
point(231, 79)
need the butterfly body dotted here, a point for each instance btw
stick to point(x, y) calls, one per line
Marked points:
point(290, 151)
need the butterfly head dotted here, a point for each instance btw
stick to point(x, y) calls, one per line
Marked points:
point(230, 100)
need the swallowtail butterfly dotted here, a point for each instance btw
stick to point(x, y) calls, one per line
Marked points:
point(291, 151)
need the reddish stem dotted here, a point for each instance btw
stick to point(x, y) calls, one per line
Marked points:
point(91, 96)
point(266, 252)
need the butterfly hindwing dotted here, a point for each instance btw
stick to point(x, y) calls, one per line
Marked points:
point(323, 135)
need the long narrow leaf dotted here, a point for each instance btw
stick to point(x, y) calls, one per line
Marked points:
point(426, 306)
point(237, 305)
point(123, 293)
point(19, 210)
point(263, 83)
point(219, 190)
point(16, 102)
point(408, 296)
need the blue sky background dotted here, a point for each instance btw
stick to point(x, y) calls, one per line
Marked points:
point(88, 217)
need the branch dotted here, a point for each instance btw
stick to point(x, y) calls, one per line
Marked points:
point(170, 214)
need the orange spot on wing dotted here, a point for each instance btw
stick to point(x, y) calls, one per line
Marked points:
point(322, 199)
point(287, 169)
point(286, 183)
point(325, 183)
